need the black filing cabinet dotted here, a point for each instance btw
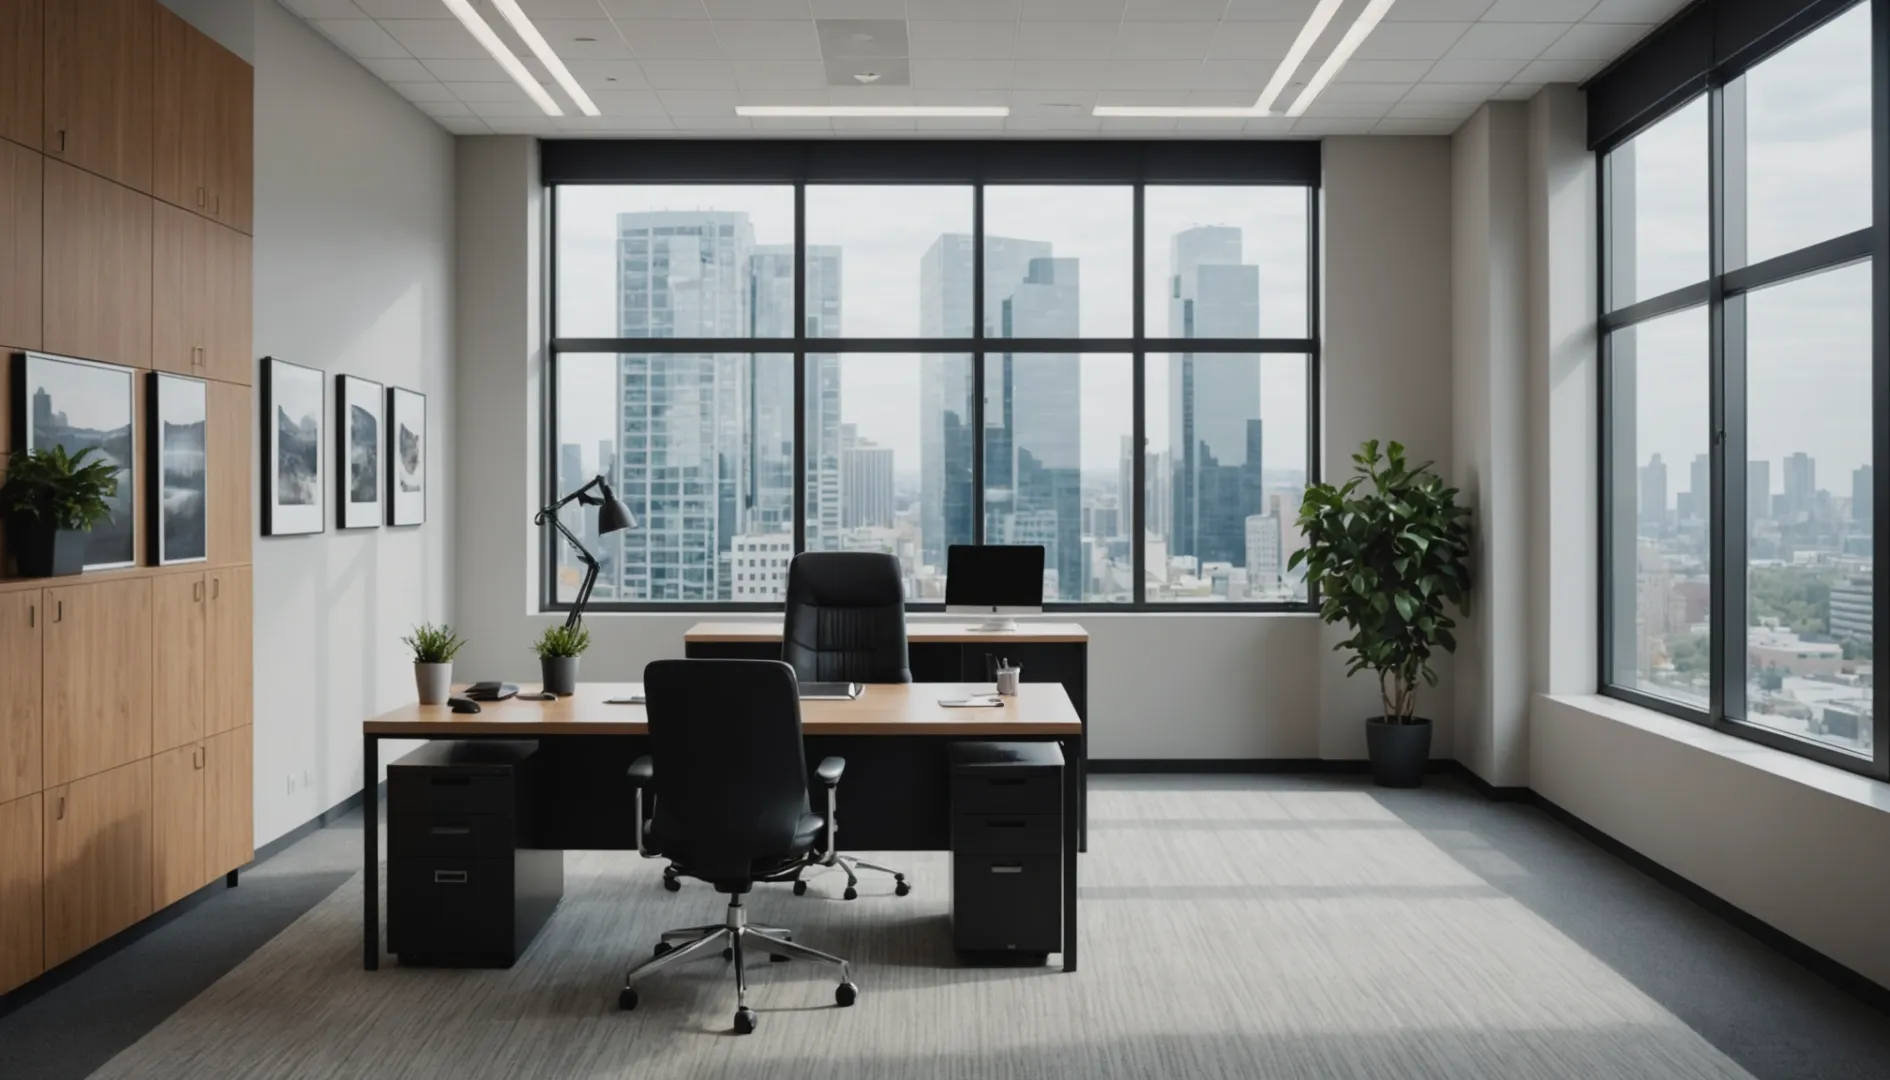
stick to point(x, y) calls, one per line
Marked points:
point(1007, 847)
point(465, 886)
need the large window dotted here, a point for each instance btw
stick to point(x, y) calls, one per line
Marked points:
point(1744, 356)
point(948, 360)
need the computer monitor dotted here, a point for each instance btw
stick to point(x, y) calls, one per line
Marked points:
point(996, 580)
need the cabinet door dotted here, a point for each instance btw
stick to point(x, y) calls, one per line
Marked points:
point(228, 317)
point(97, 259)
point(178, 603)
point(232, 138)
point(97, 671)
point(177, 824)
point(182, 90)
point(98, 87)
point(181, 289)
point(20, 730)
point(22, 179)
point(229, 672)
point(230, 801)
point(22, 74)
point(229, 453)
point(98, 858)
point(22, 881)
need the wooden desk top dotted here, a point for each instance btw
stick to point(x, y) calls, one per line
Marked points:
point(883, 709)
point(962, 632)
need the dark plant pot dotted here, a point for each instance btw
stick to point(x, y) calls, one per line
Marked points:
point(42, 551)
point(560, 674)
point(1398, 751)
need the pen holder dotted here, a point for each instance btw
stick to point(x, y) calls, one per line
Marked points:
point(1007, 680)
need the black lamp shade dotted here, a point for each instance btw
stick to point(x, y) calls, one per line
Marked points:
point(613, 515)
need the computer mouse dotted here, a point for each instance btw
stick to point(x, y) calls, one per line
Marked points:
point(463, 704)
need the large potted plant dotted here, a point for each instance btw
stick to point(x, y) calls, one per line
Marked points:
point(1388, 552)
point(433, 650)
point(50, 501)
point(558, 649)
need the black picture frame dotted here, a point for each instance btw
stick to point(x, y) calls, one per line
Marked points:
point(360, 488)
point(180, 501)
point(406, 420)
point(109, 394)
point(288, 386)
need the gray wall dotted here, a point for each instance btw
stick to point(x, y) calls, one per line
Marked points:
point(1162, 686)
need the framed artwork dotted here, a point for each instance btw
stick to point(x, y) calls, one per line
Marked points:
point(79, 405)
point(358, 452)
point(406, 457)
point(178, 409)
point(293, 403)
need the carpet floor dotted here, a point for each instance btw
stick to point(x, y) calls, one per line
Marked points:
point(1228, 931)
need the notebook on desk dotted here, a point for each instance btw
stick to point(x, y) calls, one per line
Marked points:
point(830, 691)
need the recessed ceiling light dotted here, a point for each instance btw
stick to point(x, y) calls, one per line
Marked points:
point(866, 76)
point(873, 110)
point(542, 49)
point(482, 33)
point(1361, 28)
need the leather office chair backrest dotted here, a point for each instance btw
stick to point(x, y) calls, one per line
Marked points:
point(846, 618)
point(730, 773)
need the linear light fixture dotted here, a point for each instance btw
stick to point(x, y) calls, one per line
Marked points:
point(1308, 34)
point(1166, 111)
point(1361, 28)
point(873, 110)
point(475, 25)
point(541, 48)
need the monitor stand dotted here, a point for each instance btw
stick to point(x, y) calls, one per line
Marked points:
point(997, 625)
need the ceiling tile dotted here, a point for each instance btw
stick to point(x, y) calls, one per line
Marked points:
point(962, 10)
point(1411, 41)
point(1517, 91)
point(608, 74)
point(1174, 10)
point(759, 9)
point(654, 9)
point(1568, 71)
point(433, 39)
point(628, 103)
point(451, 71)
point(1646, 12)
point(763, 39)
point(1333, 126)
point(1211, 125)
point(1437, 11)
point(520, 125)
point(875, 123)
point(870, 95)
point(1398, 71)
point(1058, 100)
point(1139, 124)
point(672, 39)
point(1594, 41)
point(540, 10)
point(959, 123)
point(885, 70)
point(961, 97)
point(963, 40)
point(325, 9)
point(1550, 11)
point(680, 103)
point(406, 9)
point(1416, 127)
point(480, 92)
point(687, 74)
point(1232, 75)
point(1165, 41)
point(502, 110)
point(465, 125)
point(790, 96)
point(874, 38)
point(617, 125)
point(584, 39)
point(803, 124)
point(1453, 93)
point(1431, 110)
point(1347, 110)
point(1505, 41)
point(445, 108)
point(1254, 40)
point(1053, 123)
point(397, 69)
point(1055, 10)
point(1232, 99)
point(1373, 93)
point(712, 123)
point(1293, 11)
point(1474, 71)
point(360, 37)
point(859, 9)
point(425, 91)
point(1065, 40)
point(1267, 125)
point(780, 74)
point(961, 74)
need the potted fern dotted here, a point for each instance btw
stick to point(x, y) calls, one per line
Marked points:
point(51, 501)
point(433, 650)
point(1388, 553)
point(558, 649)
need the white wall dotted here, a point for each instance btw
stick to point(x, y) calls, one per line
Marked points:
point(1161, 686)
point(353, 274)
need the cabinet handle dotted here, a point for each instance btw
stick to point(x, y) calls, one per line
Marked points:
point(199, 196)
point(1007, 868)
point(449, 877)
point(60, 813)
point(216, 587)
point(219, 207)
point(62, 140)
point(196, 758)
point(32, 616)
point(196, 592)
point(59, 611)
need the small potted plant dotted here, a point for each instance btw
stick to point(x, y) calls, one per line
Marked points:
point(1387, 551)
point(558, 649)
point(433, 650)
point(51, 501)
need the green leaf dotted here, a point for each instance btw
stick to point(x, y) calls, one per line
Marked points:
point(1407, 607)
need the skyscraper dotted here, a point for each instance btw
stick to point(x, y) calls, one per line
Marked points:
point(1697, 500)
point(823, 400)
point(1801, 484)
point(1758, 492)
point(1654, 497)
point(1265, 559)
point(866, 482)
point(1032, 424)
point(1863, 497)
point(1213, 398)
point(945, 388)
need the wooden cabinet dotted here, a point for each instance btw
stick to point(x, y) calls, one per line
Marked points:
point(98, 87)
point(177, 824)
point(231, 289)
point(97, 260)
point(178, 654)
point(231, 660)
point(20, 730)
point(21, 207)
point(233, 153)
point(22, 884)
point(228, 451)
point(97, 673)
point(200, 321)
point(204, 118)
point(22, 70)
point(97, 858)
point(229, 801)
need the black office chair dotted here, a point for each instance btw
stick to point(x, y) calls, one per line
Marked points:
point(730, 806)
point(846, 622)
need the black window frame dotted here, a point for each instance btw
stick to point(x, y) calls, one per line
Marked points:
point(978, 164)
point(1724, 39)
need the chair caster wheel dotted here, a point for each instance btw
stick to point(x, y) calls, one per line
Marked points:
point(800, 888)
point(672, 884)
point(664, 947)
point(745, 1020)
point(728, 953)
point(627, 999)
point(845, 994)
point(851, 893)
point(901, 889)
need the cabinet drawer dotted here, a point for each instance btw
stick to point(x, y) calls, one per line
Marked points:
point(451, 836)
point(1006, 834)
point(450, 906)
point(1008, 903)
point(429, 793)
point(1003, 791)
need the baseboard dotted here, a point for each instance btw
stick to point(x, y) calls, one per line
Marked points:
point(1223, 766)
point(55, 977)
point(1492, 792)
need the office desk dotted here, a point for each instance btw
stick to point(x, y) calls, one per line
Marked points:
point(942, 651)
point(896, 739)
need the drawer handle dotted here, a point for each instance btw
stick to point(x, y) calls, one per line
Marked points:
point(452, 830)
point(1007, 868)
point(449, 877)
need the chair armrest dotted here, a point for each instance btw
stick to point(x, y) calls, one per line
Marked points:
point(831, 769)
point(642, 770)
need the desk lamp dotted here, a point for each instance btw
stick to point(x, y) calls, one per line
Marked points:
point(613, 516)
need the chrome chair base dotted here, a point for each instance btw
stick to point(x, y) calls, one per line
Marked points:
point(852, 867)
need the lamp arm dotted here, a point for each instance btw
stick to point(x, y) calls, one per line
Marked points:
point(549, 515)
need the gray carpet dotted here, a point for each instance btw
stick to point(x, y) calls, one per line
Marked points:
point(1230, 930)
